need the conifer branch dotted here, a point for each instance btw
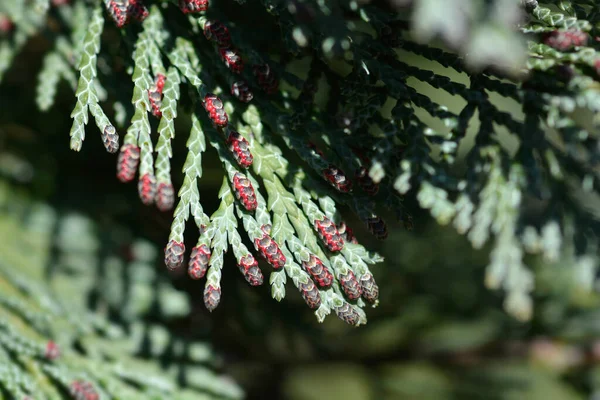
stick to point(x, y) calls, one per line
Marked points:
point(292, 162)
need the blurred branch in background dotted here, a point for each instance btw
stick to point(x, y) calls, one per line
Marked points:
point(84, 314)
point(480, 31)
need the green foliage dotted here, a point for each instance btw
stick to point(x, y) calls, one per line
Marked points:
point(406, 118)
point(51, 266)
point(484, 114)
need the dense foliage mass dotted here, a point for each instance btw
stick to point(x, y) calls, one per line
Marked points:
point(323, 115)
point(53, 267)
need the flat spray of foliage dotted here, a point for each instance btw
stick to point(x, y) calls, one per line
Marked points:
point(52, 267)
point(247, 74)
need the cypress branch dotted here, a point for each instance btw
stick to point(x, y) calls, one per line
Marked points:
point(52, 346)
point(295, 151)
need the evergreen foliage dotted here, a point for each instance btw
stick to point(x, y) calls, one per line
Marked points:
point(484, 113)
point(372, 123)
point(53, 269)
